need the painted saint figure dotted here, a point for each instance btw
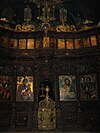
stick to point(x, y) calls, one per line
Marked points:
point(67, 88)
point(24, 91)
point(64, 91)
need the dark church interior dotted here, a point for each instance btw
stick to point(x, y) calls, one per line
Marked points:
point(50, 66)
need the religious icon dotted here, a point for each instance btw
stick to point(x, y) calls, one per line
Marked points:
point(30, 44)
point(24, 88)
point(61, 44)
point(86, 42)
point(67, 88)
point(39, 43)
point(88, 87)
point(78, 43)
point(93, 41)
point(5, 87)
point(22, 44)
point(69, 44)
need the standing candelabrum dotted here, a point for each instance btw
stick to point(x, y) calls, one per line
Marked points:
point(47, 94)
point(47, 91)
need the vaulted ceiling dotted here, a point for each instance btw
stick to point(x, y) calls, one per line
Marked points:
point(77, 9)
